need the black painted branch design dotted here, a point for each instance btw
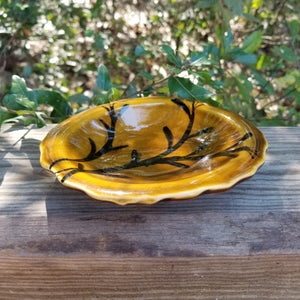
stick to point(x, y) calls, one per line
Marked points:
point(162, 158)
point(108, 146)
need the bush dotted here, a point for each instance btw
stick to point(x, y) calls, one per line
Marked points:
point(66, 56)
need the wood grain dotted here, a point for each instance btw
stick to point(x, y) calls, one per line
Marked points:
point(57, 243)
point(259, 277)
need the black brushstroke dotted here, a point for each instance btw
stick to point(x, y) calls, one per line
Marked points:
point(134, 156)
point(108, 146)
point(182, 105)
point(169, 137)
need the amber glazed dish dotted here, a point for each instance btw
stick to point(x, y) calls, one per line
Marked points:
point(145, 150)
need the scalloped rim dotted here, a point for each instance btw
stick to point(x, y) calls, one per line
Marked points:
point(131, 198)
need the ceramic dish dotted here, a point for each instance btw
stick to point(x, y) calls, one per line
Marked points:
point(144, 150)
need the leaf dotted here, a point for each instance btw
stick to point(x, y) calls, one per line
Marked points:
point(296, 95)
point(39, 119)
point(286, 54)
point(27, 71)
point(146, 75)
point(101, 97)
point(113, 94)
point(272, 122)
point(18, 86)
point(251, 18)
point(206, 3)
point(235, 52)
point(252, 42)
point(171, 55)
point(131, 92)
point(148, 91)
point(61, 108)
point(5, 114)
point(139, 50)
point(202, 76)
point(263, 83)
point(235, 5)
point(243, 90)
point(184, 88)
point(246, 59)
point(216, 84)
point(103, 80)
point(260, 62)
point(18, 102)
point(211, 49)
point(78, 98)
point(257, 4)
point(198, 59)
point(175, 70)
point(228, 40)
point(98, 44)
point(25, 119)
point(294, 29)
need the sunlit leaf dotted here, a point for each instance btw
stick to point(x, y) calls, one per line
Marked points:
point(61, 107)
point(18, 86)
point(257, 3)
point(18, 102)
point(39, 119)
point(203, 76)
point(25, 119)
point(5, 114)
point(252, 42)
point(184, 88)
point(198, 59)
point(113, 94)
point(171, 55)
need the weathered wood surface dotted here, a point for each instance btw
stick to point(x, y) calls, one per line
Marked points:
point(57, 243)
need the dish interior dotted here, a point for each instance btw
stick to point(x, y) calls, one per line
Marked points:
point(150, 141)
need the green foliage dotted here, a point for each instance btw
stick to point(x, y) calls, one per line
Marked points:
point(22, 105)
point(242, 55)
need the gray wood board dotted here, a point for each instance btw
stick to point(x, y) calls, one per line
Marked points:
point(39, 216)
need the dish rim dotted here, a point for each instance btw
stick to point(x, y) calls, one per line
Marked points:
point(155, 197)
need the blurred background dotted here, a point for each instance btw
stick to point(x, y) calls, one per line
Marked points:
point(241, 55)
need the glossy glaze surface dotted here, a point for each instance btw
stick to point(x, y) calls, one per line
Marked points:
point(147, 149)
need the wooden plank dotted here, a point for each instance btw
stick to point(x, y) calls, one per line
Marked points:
point(250, 277)
point(40, 216)
point(57, 243)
